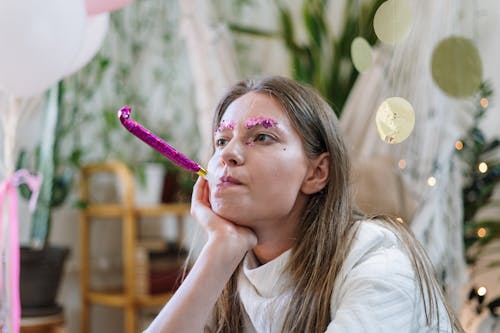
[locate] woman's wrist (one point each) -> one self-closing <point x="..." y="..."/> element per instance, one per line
<point x="189" y="309"/>
<point x="226" y="251"/>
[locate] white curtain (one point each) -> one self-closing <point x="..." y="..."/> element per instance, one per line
<point x="212" y="62"/>
<point x="404" y="70"/>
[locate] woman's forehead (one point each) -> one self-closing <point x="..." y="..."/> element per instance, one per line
<point x="255" y="109"/>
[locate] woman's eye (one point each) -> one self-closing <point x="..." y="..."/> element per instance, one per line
<point x="220" y="142"/>
<point x="265" y="138"/>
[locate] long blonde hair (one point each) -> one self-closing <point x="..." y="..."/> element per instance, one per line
<point x="328" y="224"/>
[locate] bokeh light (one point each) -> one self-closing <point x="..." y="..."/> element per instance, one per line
<point x="402" y="164"/>
<point x="482" y="167"/>
<point x="481" y="232"/>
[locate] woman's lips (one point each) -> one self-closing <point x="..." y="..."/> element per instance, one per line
<point x="228" y="181"/>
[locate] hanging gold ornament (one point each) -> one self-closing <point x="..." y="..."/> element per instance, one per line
<point x="395" y="120"/>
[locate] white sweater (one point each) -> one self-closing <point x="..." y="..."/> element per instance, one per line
<point x="376" y="290"/>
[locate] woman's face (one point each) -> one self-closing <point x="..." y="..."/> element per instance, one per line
<point x="259" y="164"/>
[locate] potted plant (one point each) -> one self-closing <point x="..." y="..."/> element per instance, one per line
<point x="38" y="259"/>
<point x="42" y="263"/>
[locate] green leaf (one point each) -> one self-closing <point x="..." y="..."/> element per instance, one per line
<point x="287" y="30"/>
<point x="76" y="157"/>
<point x="41" y="218"/>
<point x="61" y="187"/>
<point x="495" y="143"/>
<point x="314" y="21"/>
<point x="234" y="27"/>
<point x="80" y="204"/>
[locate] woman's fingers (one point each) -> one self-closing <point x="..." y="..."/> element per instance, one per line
<point x="200" y="206"/>
<point x="199" y="197"/>
<point x="215" y="225"/>
<point x="197" y="192"/>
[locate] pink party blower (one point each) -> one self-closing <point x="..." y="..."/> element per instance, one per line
<point x="158" y="144"/>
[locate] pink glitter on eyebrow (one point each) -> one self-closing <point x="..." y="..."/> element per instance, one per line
<point x="262" y="121"/>
<point x="226" y="125"/>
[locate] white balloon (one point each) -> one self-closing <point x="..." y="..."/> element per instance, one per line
<point x="38" y="41"/>
<point x="96" y="28"/>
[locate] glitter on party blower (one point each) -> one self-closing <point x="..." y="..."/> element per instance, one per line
<point x="158" y="144"/>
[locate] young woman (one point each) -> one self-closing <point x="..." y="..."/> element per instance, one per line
<point x="286" y="251"/>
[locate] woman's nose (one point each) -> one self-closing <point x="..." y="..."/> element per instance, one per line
<point x="232" y="154"/>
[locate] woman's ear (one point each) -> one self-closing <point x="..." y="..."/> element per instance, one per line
<point x="317" y="174"/>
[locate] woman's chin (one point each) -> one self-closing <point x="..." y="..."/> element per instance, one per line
<point x="230" y="212"/>
<point x="227" y="213"/>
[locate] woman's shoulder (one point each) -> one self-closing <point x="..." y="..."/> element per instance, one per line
<point x="373" y="235"/>
<point x="377" y="287"/>
<point x="376" y="250"/>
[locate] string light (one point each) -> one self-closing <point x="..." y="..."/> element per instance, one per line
<point x="481" y="232"/>
<point x="484" y="102"/>
<point x="431" y="181"/>
<point x="402" y="164"/>
<point x="481" y="291"/>
<point x="482" y="167"/>
<point x="459" y="145"/>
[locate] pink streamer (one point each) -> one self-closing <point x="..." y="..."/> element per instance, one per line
<point x="8" y="191"/>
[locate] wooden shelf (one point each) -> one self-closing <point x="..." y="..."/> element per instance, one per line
<point x="116" y="299"/>
<point x="178" y="208"/>
<point x="153" y="300"/>
<point x="116" y="210"/>
<point x="119" y="299"/>
<point x="129" y="214"/>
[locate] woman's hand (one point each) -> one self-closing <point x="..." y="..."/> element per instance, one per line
<point x="190" y="307"/>
<point x="220" y="231"/>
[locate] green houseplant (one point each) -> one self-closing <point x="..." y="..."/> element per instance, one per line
<point x="323" y="59"/>
<point x="140" y="64"/>
<point x="84" y="105"/>
<point x="38" y="259"/>
<point x="57" y="180"/>
<point x="57" y="158"/>
<point x="79" y="122"/>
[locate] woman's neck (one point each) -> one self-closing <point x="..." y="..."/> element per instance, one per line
<point x="277" y="236"/>
<point x="264" y="254"/>
<point x="271" y="243"/>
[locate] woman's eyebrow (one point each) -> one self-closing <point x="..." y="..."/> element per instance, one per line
<point x="225" y="125"/>
<point x="265" y="122"/>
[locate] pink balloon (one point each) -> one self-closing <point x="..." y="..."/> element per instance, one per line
<point x="103" y="6"/>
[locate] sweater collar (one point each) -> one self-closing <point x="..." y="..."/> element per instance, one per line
<point x="265" y="278"/>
